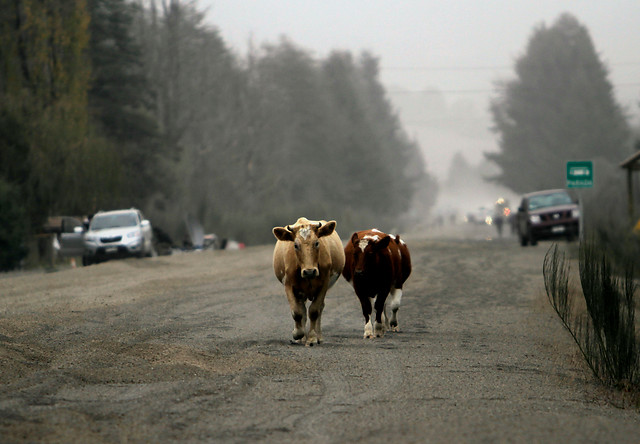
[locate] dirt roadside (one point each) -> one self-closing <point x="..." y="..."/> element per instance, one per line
<point x="195" y="347"/>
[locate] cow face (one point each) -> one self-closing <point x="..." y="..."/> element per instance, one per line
<point x="365" y="251"/>
<point x="306" y="244"/>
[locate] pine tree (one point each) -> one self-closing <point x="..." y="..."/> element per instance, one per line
<point x="560" y="107"/>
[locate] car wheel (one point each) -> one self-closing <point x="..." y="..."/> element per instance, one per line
<point x="86" y="261"/>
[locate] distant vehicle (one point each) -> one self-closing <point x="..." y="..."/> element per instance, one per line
<point x="114" y="234"/>
<point x="69" y="235"/>
<point x="547" y="214"/>
<point x="482" y="216"/>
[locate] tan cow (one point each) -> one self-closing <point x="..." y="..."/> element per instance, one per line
<point x="308" y="259"/>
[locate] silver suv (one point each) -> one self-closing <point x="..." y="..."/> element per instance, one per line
<point x="120" y="233"/>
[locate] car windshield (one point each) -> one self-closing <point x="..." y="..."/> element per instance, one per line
<point x="549" y="200"/>
<point x="105" y="221"/>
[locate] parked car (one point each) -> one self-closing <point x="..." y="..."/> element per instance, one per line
<point x="69" y="235"/>
<point x="547" y="214"/>
<point x="120" y="233"/>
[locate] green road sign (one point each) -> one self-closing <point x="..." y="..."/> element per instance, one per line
<point x="580" y="174"/>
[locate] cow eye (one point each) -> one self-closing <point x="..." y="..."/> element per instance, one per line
<point x="317" y="244"/>
<point x="296" y="246"/>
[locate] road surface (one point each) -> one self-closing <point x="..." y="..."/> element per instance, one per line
<point x="196" y="348"/>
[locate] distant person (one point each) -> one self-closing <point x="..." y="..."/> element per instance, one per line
<point x="500" y="213"/>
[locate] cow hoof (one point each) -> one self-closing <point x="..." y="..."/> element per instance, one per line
<point x="395" y="329"/>
<point x="379" y="330"/>
<point x="297" y="335"/>
<point x="311" y="342"/>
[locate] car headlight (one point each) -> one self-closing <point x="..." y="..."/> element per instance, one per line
<point x="133" y="235"/>
<point x="534" y="219"/>
<point x="575" y="213"/>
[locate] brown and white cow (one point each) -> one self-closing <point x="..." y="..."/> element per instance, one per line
<point x="308" y="259"/>
<point x="377" y="264"/>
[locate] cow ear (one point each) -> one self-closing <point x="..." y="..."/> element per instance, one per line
<point x="382" y="243"/>
<point x="327" y="228"/>
<point x="355" y="239"/>
<point x="398" y="239"/>
<point x="283" y="234"/>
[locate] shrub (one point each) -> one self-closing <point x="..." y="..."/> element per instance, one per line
<point x="605" y="330"/>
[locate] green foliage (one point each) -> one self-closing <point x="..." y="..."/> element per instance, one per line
<point x="51" y="156"/>
<point x="606" y="332"/>
<point x="560" y="107"/>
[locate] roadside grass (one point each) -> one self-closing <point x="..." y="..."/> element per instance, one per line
<point x="599" y="314"/>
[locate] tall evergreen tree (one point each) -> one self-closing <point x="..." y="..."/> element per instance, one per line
<point x="120" y="97"/>
<point x="560" y="107"/>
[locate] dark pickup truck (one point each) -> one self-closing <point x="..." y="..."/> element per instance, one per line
<point x="548" y="214"/>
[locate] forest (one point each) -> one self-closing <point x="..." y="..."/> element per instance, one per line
<point x="108" y="104"/>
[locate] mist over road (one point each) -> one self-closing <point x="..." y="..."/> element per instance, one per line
<point x="196" y="347"/>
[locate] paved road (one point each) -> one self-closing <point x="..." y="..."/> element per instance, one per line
<point x="195" y="348"/>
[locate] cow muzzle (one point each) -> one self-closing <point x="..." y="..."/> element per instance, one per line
<point x="308" y="273"/>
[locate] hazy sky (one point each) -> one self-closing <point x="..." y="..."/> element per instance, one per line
<point x="453" y="45"/>
<point x="459" y="47"/>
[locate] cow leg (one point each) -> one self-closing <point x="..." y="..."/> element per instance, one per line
<point x="394" y="303"/>
<point x="386" y="317"/>
<point x="299" y="314"/>
<point x="366" y="311"/>
<point x="315" y="318"/>
<point x="379" y="306"/>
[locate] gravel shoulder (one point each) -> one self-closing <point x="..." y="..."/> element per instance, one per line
<point x="195" y="347"/>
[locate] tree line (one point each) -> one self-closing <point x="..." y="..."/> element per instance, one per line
<point x="115" y="103"/>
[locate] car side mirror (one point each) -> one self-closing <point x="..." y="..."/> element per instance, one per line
<point x="145" y="223"/>
<point x="79" y="229"/>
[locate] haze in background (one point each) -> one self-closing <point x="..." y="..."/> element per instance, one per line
<point x="439" y="59"/>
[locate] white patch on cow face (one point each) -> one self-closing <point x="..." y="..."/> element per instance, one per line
<point x="304" y="232"/>
<point x="377" y="231"/>
<point x="365" y="241"/>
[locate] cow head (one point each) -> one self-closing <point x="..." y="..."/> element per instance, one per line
<point x="365" y="251"/>
<point x="306" y="244"/>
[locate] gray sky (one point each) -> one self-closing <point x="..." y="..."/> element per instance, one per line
<point x="459" y="47"/>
